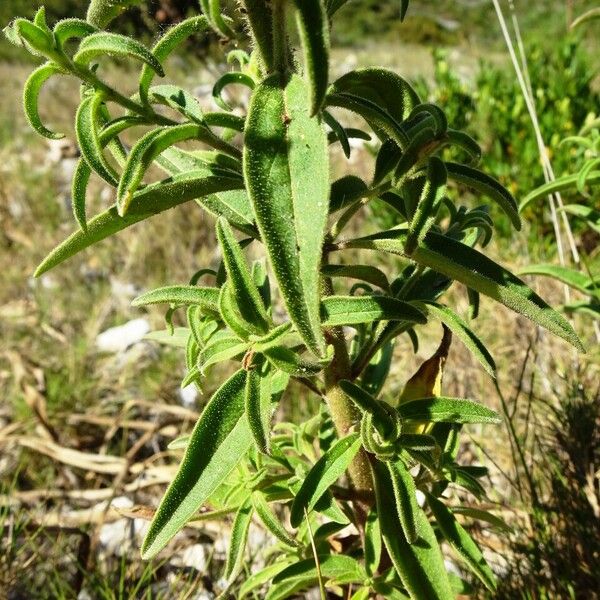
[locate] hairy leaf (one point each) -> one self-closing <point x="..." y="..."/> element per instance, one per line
<point x="440" y="409"/>
<point x="180" y="294"/>
<point x="372" y="543"/>
<point x="67" y="29"/>
<point x="271" y="521"/>
<point x="571" y="277"/>
<point x="228" y="79"/>
<point x="352" y="310"/>
<point x="366" y="273"/>
<point x="258" y="409"/>
<point x="260" y="19"/>
<point x="405" y="493"/>
<point x="239" y="538"/>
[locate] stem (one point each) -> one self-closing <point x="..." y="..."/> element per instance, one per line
<point x="280" y="47"/>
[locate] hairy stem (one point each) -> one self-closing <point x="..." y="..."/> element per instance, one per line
<point x="280" y="47"/>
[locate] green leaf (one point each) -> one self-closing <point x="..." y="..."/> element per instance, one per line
<point x="262" y="577"/>
<point x="150" y="201"/>
<point x="559" y="185"/>
<point x="38" y="40"/>
<point x="178" y="338"/>
<point x="222" y="346"/>
<point x="258" y="409"/>
<point x="325" y="472"/>
<point x="31" y="93"/>
<point x="462" y="542"/>
<point x="101" y="12"/>
<point x="87" y="121"/>
<point x="366" y="273"/>
<point x="338" y="568"/>
<point x="67" y="29"/>
<point x="338" y="131"/>
<point x="114" y="44"/>
<point x="434" y="189"/>
<point x="447" y="410"/>
<point x="461" y="330"/>
<point x="475" y="270"/>
<point x="178" y="99"/>
<point x="313" y="26"/>
<point x="380" y="96"/>
<point x="291" y="362"/>
<point x="375" y="373"/>
<point x="173" y="38"/>
<point x="372" y="543"/>
<point x="260" y="19"/>
<point x="419" y="565"/>
<point x="345" y="191"/>
<point x="232" y="77"/>
<point x="218" y="442"/>
<point x="405" y="493"/>
<point x="483" y="515"/>
<point x="570" y="277"/>
<point x="271" y="521"/>
<point x="487" y="186"/>
<point x="239" y="538"/>
<point x="382" y="420"/>
<point x="206" y="297"/>
<point x="282" y="144"/>
<point x="244" y="291"/>
<point x="352" y="310"/>
<point x="231" y="315"/>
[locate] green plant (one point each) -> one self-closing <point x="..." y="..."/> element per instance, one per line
<point x="358" y="459"/>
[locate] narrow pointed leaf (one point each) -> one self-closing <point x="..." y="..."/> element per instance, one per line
<point x="150" y="201"/>
<point x="339" y="568"/>
<point x="114" y="44"/>
<point x="366" y="273"/>
<point x="101" y="12"/>
<point x="313" y="26"/>
<point x="31" y="93"/>
<point x="352" y="310"/>
<point x="283" y="144"/>
<point x="382" y="420"/>
<point x="419" y="565"/>
<point x="571" y="277"/>
<point x="218" y="442"/>
<point x="271" y="521"/>
<point x="405" y="493"/>
<point x="462" y="542"/>
<point x="372" y="543"/>
<point x="258" y="409"/>
<point x="447" y="410"/>
<point x="262" y="577"/>
<point x="232" y="77"/>
<point x="67" y="29"/>
<point x="180" y="294"/>
<point x="326" y="471"/>
<point x="239" y="538"/>
<point x="231" y="315"/>
<point x="260" y="19"/>
<point x="291" y="362"/>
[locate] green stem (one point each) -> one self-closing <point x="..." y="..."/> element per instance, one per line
<point x="280" y="46"/>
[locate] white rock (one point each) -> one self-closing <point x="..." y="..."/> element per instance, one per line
<point x="188" y="395"/>
<point x="118" y="339"/>
<point x="194" y="556"/>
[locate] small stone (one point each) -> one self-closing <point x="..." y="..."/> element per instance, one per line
<point x="118" y="339"/>
<point x="188" y="395"/>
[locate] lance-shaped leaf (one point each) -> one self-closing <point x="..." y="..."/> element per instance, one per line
<point x="419" y="565"/>
<point x="289" y="361"/>
<point x="239" y="538"/>
<point x="463" y="333"/>
<point x="188" y="295"/>
<point x="282" y="144"/>
<point x="570" y="277"/>
<point x="150" y="201"/>
<point x="487" y="186"/>
<point x="262" y="577"/>
<point x="380" y="96"/>
<point x="218" y="442"/>
<point x="271" y="521"/>
<point x="87" y="120"/>
<point x="313" y="26"/>
<point x="338" y="131"/>
<point x="325" y="472"/>
<point x="260" y="19"/>
<point x="472" y="268"/>
<point x="232" y="77"/>
<point x="38" y="40"/>
<point x="352" y="310"/>
<point x="68" y="29"/>
<point x="441" y="409"/>
<point x="178" y="99"/>
<point x="114" y="44"/>
<point x="101" y="12"/>
<point x="431" y="196"/>
<point x="405" y="493"/>
<point x="245" y="293"/>
<point x="372" y="542"/>
<point x="173" y="38"/>
<point x="222" y="346"/>
<point x="366" y="273"/>
<point x="462" y="542"/>
<point x="382" y="419"/>
<point x="31" y="93"/>
<point x="258" y="409"/>
<point x="231" y="315"/>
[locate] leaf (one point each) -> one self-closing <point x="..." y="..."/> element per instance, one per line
<point x="405" y="493"/>
<point x="271" y="521"/>
<point x="178" y="338"/>
<point x="38" y="40"/>
<point x="372" y="544"/>
<point x="375" y="373"/>
<point x="218" y="442"/>
<point x="262" y="577"/>
<point x="231" y="315"/>
<point x="570" y="277"/>
<point x="31" y="93"/>
<point x="589" y="15"/>
<point x="260" y="19"/>
<point x="483" y="515"/>
<point x="222" y="346"/>
<point x="244" y="291"/>
<point x="258" y="409"/>
<point x="352" y="310"/>
<point x="87" y="120"/>
<point x="338" y="568"/>
<point x="115" y="44"/>
<point x="380" y="96"/>
<point x="101" y="12"/>
<point x="67" y="29"/>
<point x="559" y="185"/>
<point x="382" y="420"/>
<point x="290" y="362"/>
<point x="178" y="99"/>
<point x="282" y="144"/>
<point x="272" y="339"/>
<point x="431" y="196"/>
<point x="206" y="297"/>
<point x="345" y="191"/>
<point x="180" y="443"/>
<point x="173" y="38"/>
<point x="338" y="131"/>
<point x="239" y="538"/>
<point x="487" y="186"/>
<point x="475" y="270"/>
<point x="462" y="542"/>
<point x="447" y="410"/>
<point x="449" y="318"/>
<point x="324" y="473"/>
<point x="232" y="77"/>
<point x="313" y="25"/>
<point x="366" y="273"/>
<point x="419" y="565"/>
<point x="150" y="201"/>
